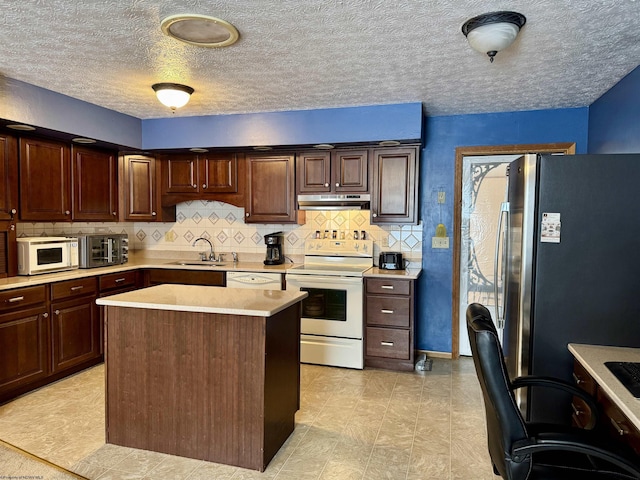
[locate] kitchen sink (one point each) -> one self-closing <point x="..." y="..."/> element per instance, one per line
<point x="196" y="263"/>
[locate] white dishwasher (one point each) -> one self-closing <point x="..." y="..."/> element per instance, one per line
<point x="261" y="281"/>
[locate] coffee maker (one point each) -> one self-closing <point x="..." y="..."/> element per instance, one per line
<point x="274" y="248"/>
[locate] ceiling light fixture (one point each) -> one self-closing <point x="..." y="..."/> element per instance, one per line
<point x="200" y="30"/>
<point x="324" y="146"/>
<point x="173" y="95"/>
<point x="492" y="32"/>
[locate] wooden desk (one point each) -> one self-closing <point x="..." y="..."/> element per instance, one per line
<point x="621" y="409"/>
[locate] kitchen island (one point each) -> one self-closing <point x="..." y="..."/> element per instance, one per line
<point x="203" y="372"/>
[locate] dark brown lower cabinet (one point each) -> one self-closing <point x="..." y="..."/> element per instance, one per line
<point x="23" y="348"/>
<point x="185" y="277"/>
<point x="389" y="319"/>
<point x="75" y="334"/>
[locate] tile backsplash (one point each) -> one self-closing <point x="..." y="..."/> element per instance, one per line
<point x="223" y="224"/>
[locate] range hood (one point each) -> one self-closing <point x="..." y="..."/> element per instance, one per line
<point x="346" y="201"/>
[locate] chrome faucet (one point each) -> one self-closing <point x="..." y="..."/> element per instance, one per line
<point x="203" y="255"/>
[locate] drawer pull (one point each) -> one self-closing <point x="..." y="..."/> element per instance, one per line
<point x="619" y="429"/>
<point x="15" y="299"/>
<point x="387" y="287"/>
<point x="577" y="379"/>
<point x="576" y="411"/>
<point x="387" y="344"/>
<point x="77" y="287"/>
<point x="118" y="280"/>
<point x="386" y="311"/>
<point x="57" y="312"/>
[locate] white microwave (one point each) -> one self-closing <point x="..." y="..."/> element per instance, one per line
<point x="46" y="254"/>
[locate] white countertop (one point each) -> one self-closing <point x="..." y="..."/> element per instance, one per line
<point x="197" y="298"/>
<point x="592" y="358"/>
<point x="408" y="274"/>
<point x="138" y="261"/>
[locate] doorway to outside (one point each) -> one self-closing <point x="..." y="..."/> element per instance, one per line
<point x="480" y="188"/>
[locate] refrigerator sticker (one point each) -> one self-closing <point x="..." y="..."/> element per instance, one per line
<point x="550" y="231"/>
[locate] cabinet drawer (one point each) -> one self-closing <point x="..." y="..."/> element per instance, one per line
<point x="583" y="379"/>
<point x="18" y="298"/>
<point x="391" y="311"/>
<point x="388" y="342"/>
<point x="386" y="286"/>
<point x="117" y="280"/>
<point x="73" y="288"/>
<point x="617" y="423"/>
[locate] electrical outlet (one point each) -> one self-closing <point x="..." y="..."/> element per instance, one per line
<point x="441" y="197"/>
<point x="385" y="241"/>
<point x="439" y="242"/>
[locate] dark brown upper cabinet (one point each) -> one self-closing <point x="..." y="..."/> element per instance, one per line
<point x="45" y="180"/>
<point x="139" y="192"/>
<point x="394" y="195"/>
<point x="8" y="177"/>
<point x="332" y="172"/>
<point x="271" y="189"/>
<point x="95" y="187"/>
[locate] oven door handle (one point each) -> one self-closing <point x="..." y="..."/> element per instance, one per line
<point x="308" y="280"/>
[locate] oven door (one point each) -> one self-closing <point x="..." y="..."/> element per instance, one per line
<point x="333" y="307"/>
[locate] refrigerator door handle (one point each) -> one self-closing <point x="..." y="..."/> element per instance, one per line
<point x="497" y="275"/>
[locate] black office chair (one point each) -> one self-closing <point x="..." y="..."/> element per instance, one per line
<point x="522" y="451"/>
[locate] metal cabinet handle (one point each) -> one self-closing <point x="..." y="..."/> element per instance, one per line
<point x="326" y="184"/>
<point x="204" y="185"/>
<point x="576" y="411"/>
<point x="194" y="185"/>
<point x="577" y="379"/>
<point x="77" y="287"/>
<point x="15" y="299"/>
<point x="619" y="429"/>
<point x="114" y="213"/>
<point x="387" y="344"/>
<point x="13" y="211"/>
<point x="246" y="214"/>
<point x="45" y="315"/>
<point x="118" y="280"/>
<point x="386" y="311"/>
<point x="67" y="212"/>
<point x="374" y="215"/>
<point x="153" y="214"/>
<point x="337" y="184"/>
<point x="57" y="312"/>
<point x="387" y="287"/>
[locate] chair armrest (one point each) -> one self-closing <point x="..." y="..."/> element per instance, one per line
<point x="550" y="382"/>
<point x="580" y="441"/>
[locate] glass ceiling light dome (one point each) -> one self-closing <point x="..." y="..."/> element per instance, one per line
<point x="200" y="30"/>
<point x="173" y="95"/>
<point x="492" y="32"/>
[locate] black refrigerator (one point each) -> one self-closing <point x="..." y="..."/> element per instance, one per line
<point x="570" y="263"/>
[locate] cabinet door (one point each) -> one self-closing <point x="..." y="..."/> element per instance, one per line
<point x="181" y="174"/>
<point x="271" y="196"/>
<point x="218" y="173"/>
<point x="8" y="177"/>
<point x="313" y="170"/>
<point x="8" y="249"/>
<point x="95" y="189"/>
<point x="394" y="193"/>
<point x="45" y="180"/>
<point x="75" y="335"/>
<point x="350" y="171"/>
<point x="23" y="348"/>
<point x="139" y="188"/>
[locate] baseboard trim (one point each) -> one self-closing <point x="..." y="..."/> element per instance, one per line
<point x="432" y="354"/>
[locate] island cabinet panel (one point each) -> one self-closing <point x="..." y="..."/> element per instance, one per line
<point x="222" y="388"/>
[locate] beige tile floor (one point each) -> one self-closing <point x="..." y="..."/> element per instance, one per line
<point x="369" y="424"/>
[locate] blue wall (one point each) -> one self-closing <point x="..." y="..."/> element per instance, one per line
<point x="614" y="119"/>
<point x="442" y="136"/>
<point x="332" y="125"/>
<point x="24" y="103"/>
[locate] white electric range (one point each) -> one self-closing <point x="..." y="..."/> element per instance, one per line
<point x="332" y="323"/>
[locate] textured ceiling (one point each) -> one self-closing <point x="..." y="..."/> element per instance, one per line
<point x="306" y="54"/>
